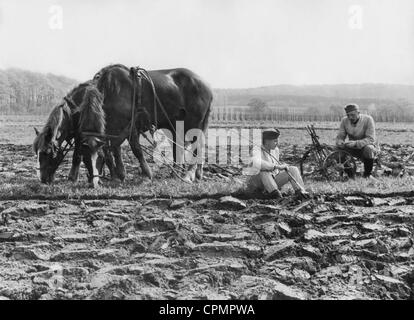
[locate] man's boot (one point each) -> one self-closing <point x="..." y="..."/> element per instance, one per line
<point x="368" y="165"/>
<point x="303" y="195"/>
<point x="276" y="194"/>
<point x="350" y="173"/>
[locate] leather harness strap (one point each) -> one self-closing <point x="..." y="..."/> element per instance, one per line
<point x="133" y="74"/>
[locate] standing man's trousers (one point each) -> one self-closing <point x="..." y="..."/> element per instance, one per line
<point x="367" y="152"/>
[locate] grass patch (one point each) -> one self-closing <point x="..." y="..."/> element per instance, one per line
<point x="131" y="189"/>
<point x="384" y="185"/>
<point x="137" y="187"/>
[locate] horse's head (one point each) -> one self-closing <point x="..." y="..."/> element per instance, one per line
<point x="46" y="145"/>
<point x="47" y="150"/>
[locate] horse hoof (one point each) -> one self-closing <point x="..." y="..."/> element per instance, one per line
<point x="146" y="179"/>
<point x="190" y="176"/>
<point x="117" y="180"/>
<point x="95" y="183"/>
<point x="187" y="179"/>
<point x="148" y="175"/>
<point x="73" y="179"/>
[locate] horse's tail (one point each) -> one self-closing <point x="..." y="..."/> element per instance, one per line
<point x="199" y="95"/>
<point x="92" y="115"/>
<point x="204" y="124"/>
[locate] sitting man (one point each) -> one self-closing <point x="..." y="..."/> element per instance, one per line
<point x="360" y="129"/>
<point x="266" y="167"/>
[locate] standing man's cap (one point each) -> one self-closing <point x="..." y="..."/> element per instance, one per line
<point x="351" y="107"/>
<point x="270" y="134"/>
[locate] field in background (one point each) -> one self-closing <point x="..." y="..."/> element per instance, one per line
<point x="19" y="130"/>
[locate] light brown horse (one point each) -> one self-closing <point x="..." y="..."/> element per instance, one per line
<point x="79" y="111"/>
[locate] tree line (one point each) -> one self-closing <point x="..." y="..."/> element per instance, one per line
<point x="380" y="110"/>
<point x="25" y="92"/>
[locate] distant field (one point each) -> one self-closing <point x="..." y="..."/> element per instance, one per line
<point x="19" y="130"/>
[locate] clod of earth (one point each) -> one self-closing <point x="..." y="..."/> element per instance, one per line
<point x="232" y="203"/>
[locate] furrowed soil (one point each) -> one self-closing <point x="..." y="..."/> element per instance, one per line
<point x="332" y="246"/>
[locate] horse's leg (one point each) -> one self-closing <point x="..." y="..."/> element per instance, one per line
<point x="200" y="162"/>
<point x="178" y="153"/>
<point x="76" y="161"/>
<point x="174" y="150"/>
<point x="90" y="163"/>
<point x="119" y="169"/>
<point x="190" y="173"/>
<point x="199" y="171"/>
<point x="109" y="161"/>
<point x="195" y="170"/>
<point x="136" y="149"/>
<point x="100" y="162"/>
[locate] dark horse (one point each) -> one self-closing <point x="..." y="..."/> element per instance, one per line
<point x="177" y="95"/>
<point x="81" y="111"/>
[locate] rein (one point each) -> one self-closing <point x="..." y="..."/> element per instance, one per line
<point x="62" y="152"/>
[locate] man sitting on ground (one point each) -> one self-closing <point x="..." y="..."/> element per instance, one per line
<point x="266" y="163"/>
<point x="360" y="129"/>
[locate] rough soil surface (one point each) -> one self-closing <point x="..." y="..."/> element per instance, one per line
<point x="207" y="249"/>
<point x="329" y="247"/>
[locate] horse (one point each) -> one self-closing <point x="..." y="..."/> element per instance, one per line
<point x="64" y="124"/>
<point x="135" y="102"/>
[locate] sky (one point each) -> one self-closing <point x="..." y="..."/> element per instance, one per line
<point x="229" y="43"/>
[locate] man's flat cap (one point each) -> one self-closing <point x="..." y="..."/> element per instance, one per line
<point x="270" y="134"/>
<point x="351" y="107"/>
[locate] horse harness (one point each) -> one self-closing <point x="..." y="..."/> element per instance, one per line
<point x="62" y="151"/>
<point x="137" y="74"/>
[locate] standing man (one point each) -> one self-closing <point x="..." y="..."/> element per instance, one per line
<point x="360" y="129"/>
<point x="266" y="165"/>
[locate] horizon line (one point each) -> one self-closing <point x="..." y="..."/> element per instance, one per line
<point x="244" y="88"/>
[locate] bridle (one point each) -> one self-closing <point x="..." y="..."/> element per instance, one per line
<point x="62" y="152"/>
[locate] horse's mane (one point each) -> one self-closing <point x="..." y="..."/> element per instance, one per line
<point x="50" y="129"/>
<point x="80" y="86"/>
<point x="79" y="89"/>
<point x="106" y="79"/>
<point x="92" y="115"/>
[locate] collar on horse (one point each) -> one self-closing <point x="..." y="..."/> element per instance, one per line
<point x="137" y="74"/>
